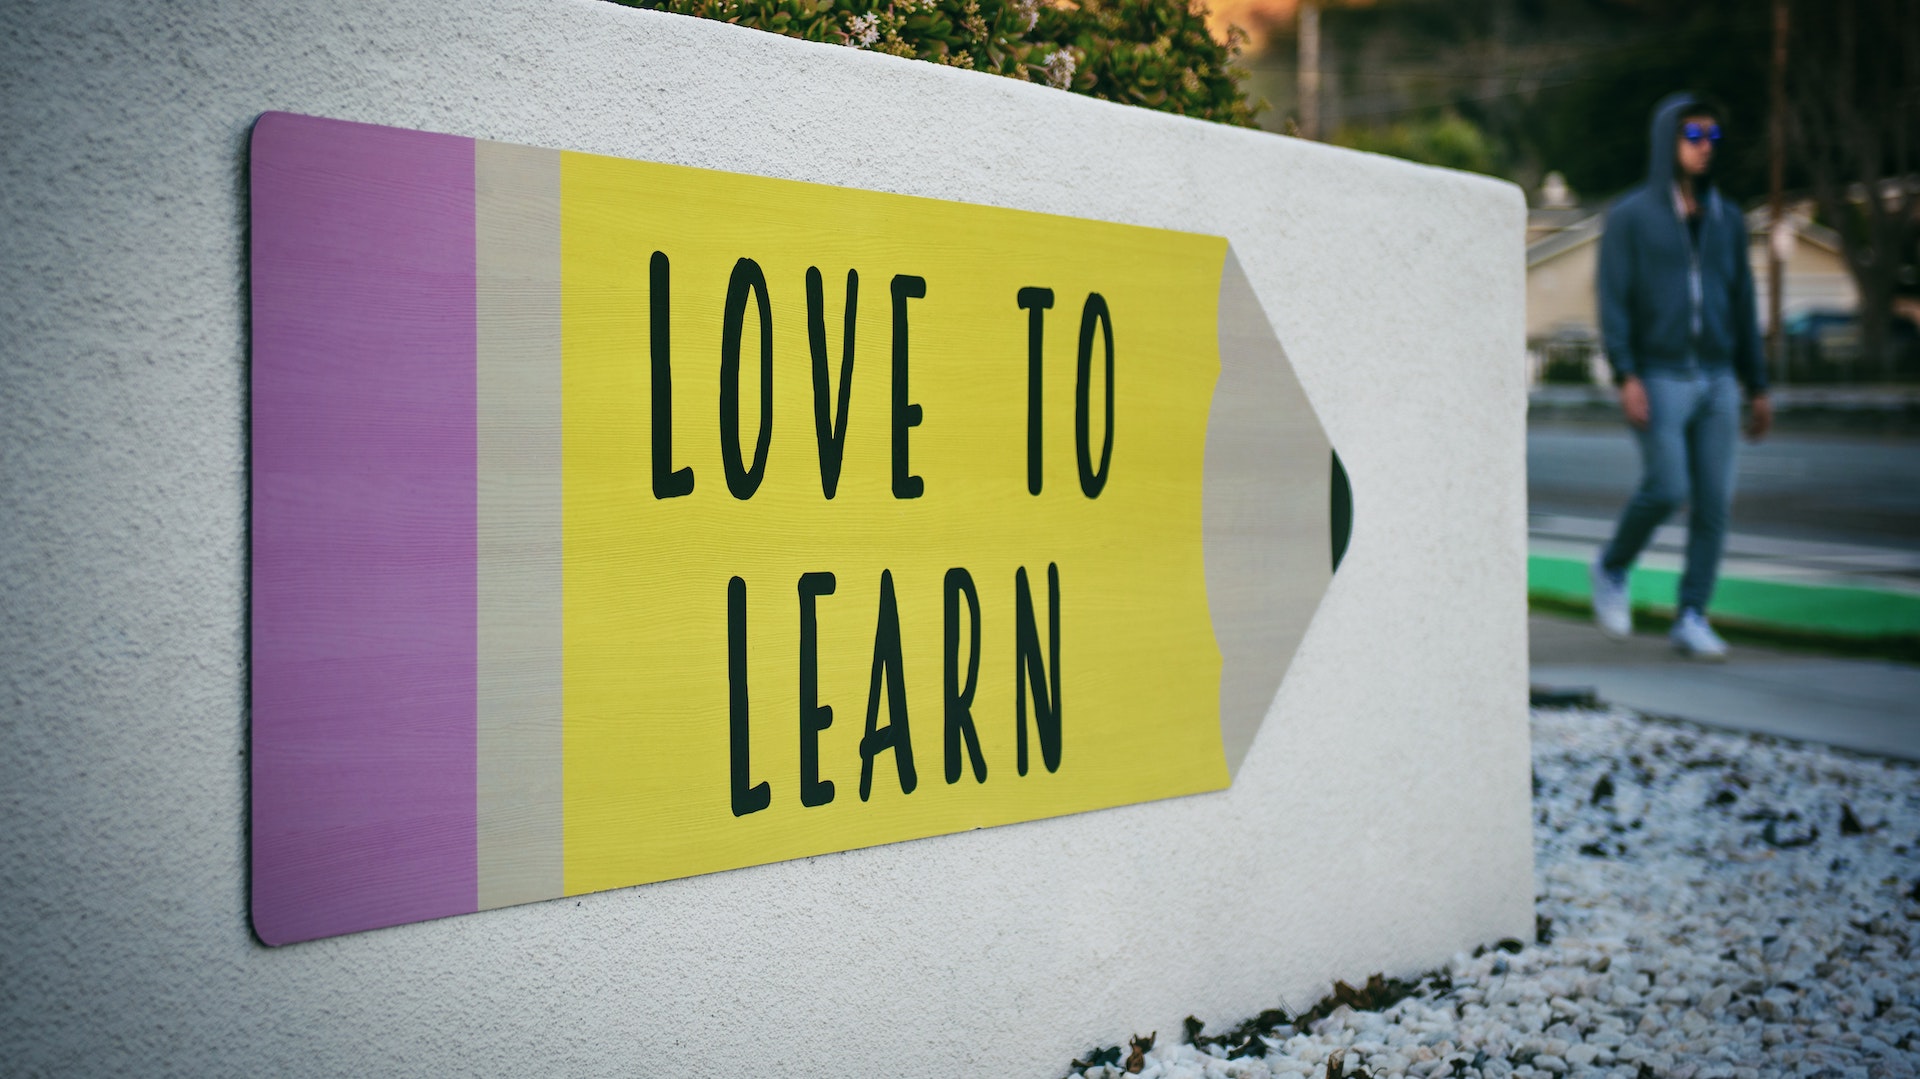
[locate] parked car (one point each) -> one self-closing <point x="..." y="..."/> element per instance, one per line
<point x="1570" y="355"/>
<point x="1827" y="346"/>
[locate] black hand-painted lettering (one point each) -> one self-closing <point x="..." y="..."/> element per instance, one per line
<point x="747" y="278"/>
<point x="1092" y="480"/>
<point x="668" y="481"/>
<point x="748" y="797"/>
<point x="887" y="669"/>
<point x="1035" y="301"/>
<point x="958" y="695"/>
<point x="905" y="414"/>
<point x="829" y="427"/>
<point x="1027" y="663"/>
<point x="814" y="716"/>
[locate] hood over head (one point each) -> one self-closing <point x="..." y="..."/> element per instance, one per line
<point x="1662" y="131"/>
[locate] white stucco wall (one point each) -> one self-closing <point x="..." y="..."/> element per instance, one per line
<point x="1380" y="821"/>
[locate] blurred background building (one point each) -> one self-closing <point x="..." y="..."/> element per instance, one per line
<point x="1818" y="298"/>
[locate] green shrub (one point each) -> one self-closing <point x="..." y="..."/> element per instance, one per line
<point x="1448" y="140"/>
<point x="1153" y="53"/>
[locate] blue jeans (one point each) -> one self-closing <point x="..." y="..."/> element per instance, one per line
<point x="1687" y="454"/>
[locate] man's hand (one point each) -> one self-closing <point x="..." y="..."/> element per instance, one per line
<point x="1633" y="402"/>
<point x="1759" y="417"/>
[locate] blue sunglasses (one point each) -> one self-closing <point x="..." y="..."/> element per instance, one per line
<point x="1695" y="132"/>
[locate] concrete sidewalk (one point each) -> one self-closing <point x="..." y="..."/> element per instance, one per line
<point x="1851" y="409"/>
<point x="1872" y="706"/>
<point x="1838" y="591"/>
<point x="1836" y="595"/>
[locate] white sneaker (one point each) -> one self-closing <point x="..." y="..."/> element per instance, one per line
<point x="1693" y="638"/>
<point x="1612" y="609"/>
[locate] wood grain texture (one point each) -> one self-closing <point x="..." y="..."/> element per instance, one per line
<point x="492" y="664"/>
<point x="363" y="527"/>
<point x="667" y="734"/>
<point x="517" y="258"/>
<point x="1265" y="519"/>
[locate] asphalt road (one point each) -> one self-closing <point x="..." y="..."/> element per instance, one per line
<point x="1808" y="487"/>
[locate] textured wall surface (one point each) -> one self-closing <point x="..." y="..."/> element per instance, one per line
<point x="1380" y="820"/>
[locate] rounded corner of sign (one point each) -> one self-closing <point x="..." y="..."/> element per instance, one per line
<point x="267" y="927"/>
<point x="269" y="124"/>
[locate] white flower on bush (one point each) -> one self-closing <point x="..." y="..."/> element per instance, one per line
<point x="1028" y="10"/>
<point x="1059" y="69"/>
<point x="863" y="30"/>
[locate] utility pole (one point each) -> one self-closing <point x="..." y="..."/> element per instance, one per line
<point x="1309" y="15"/>
<point x="1778" y="238"/>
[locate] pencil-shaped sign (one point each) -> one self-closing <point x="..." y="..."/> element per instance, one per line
<point x="616" y="521"/>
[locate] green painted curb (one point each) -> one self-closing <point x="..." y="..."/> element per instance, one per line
<point x="1841" y="612"/>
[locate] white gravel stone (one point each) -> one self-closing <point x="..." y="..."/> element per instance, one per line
<point x="1711" y="919"/>
<point x="1582" y="1055"/>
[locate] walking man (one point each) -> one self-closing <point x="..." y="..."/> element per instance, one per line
<point x="1678" y="322"/>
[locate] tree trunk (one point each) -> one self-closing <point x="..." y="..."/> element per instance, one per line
<point x="1854" y="85"/>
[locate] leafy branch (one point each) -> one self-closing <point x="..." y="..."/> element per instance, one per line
<point x="1156" y="54"/>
